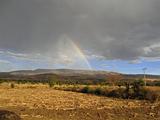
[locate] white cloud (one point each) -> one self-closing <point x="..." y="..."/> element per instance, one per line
<point x="5" y="65"/>
<point x="5" y="62"/>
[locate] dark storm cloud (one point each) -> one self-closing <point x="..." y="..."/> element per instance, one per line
<point x="115" y="29"/>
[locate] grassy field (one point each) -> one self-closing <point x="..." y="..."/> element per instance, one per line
<point x="39" y="102"/>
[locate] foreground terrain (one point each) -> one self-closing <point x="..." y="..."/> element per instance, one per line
<point x="39" y="102"/>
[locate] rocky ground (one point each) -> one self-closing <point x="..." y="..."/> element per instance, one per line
<point x="43" y="103"/>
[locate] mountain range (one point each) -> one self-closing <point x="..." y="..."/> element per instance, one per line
<point x="69" y="74"/>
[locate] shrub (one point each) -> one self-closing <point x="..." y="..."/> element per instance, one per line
<point x="157" y="83"/>
<point x="12" y="85"/>
<point x="141" y="94"/>
<point x="137" y="87"/>
<point x="85" y="90"/>
<point x="152" y="96"/>
<point x="119" y="93"/>
<point x="51" y="83"/>
<point x="132" y="91"/>
<point x="98" y="91"/>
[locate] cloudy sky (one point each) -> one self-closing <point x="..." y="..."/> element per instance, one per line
<point x="114" y="35"/>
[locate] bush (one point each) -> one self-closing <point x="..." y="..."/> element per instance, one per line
<point x="85" y="90"/>
<point x="98" y="91"/>
<point x="139" y="91"/>
<point x="157" y="83"/>
<point x="12" y="85"/>
<point x="51" y="83"/>
<point x="119" y="93"/>
<point x="152" y="96"/>
<point x="132" y="91"/>
<point x="141" y="94"/>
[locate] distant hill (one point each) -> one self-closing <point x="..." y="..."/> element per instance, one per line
<point x="69" y="75"/>
<point x="139" y="76"/>
<point x="65" y="72"/>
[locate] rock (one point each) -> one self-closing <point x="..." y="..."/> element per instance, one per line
<point x="8" y="115"/>
<point x="135" y="115"/>
<point x="152" y="114"/>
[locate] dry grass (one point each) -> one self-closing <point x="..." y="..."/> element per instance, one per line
<point x="154" y="88"/>
<point x="39" y="102"/>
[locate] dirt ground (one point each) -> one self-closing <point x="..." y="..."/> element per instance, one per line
<point x="43" y="103"/>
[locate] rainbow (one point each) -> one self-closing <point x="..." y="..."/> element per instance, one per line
<point x="81" y="54"/>
<point x="70" y="49"/>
